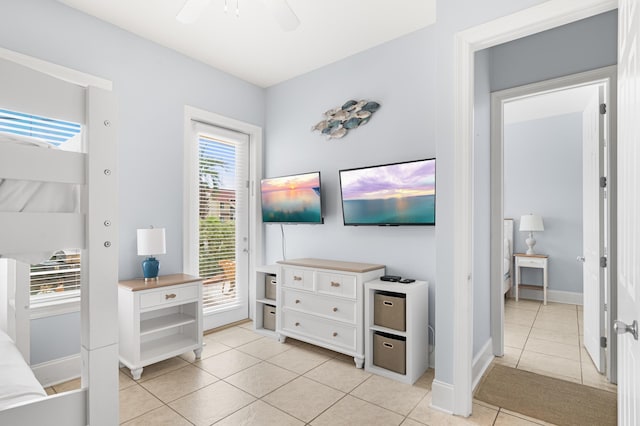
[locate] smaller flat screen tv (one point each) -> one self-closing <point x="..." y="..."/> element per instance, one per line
<point x="292" y="199"/>
<point x="390" y="194"/>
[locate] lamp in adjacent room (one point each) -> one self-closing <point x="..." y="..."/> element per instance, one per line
<point x="531" y="223"/>
<point x="151" y="242"/>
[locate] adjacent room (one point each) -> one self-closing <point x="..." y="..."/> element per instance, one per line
<point x="274" y="212"/>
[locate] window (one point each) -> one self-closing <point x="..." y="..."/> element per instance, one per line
<point x="59" y="276"/>
<point x="217" y="195"/>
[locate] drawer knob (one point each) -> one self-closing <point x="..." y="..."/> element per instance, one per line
<point x="169" y="296"/>
<point x="297" y="278"/>
<point x="297" y="324"/>
<point x="335" y="309"/>
<point x="335" y="333"/>
<point x="335" y="284"/>
<point x="297" y="301"/>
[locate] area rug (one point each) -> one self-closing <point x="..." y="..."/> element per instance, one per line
<point x="547" y="398"/>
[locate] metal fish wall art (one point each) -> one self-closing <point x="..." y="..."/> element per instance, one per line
<point x="339" y="120"/>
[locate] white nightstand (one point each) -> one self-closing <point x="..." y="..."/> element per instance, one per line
<point x="159" y="320"/>
<point x="539" y="261"/>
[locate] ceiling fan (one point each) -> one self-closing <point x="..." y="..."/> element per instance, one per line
<point x="280" y="9"/>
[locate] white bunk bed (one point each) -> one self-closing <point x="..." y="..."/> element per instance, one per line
<point x="32" y="231"/>
<point x="507" y="256"/>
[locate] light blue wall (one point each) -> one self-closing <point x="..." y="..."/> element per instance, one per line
<point x="152" y="85"/>
<point x="402" y="80"/>
<point x="543" y="175"/>
<point x="55" y="337"/>
<point x="581" y="46"/>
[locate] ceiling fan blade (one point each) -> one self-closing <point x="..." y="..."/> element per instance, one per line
<point x="191" y="11"/>
<point x="284" y="15"/>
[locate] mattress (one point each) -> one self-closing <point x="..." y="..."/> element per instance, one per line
<point x="506" y="258"/>
<point x="17" y="382"/>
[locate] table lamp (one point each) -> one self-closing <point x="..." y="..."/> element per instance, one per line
<point x="531" y="223"/>
<point x="151" y="242"/>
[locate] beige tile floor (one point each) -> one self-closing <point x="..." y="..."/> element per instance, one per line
<point x="548" y="339"/>
<point x="246" y="379"/>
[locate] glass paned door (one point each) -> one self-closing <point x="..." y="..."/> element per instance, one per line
<point x="223" y="224"/>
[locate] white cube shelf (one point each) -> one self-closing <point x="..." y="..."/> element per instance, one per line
<point x="416" y="333"/>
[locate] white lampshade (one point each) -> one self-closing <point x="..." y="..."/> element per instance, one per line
<point x="531" y="222"/>
<point x="151" y="241"/>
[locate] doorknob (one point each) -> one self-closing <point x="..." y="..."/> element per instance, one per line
<point x="580" y="259"/>
<point x="621" y="328"/>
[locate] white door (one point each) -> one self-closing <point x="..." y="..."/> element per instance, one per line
<point x="593" y="232"/>
<point x="628" y="211"/>
<point x="223" y="224"/>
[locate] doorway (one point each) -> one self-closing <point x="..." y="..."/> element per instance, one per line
<point x="220" y="212"/>
<point x="560" y="128"/>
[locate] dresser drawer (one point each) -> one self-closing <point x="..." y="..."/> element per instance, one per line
<point x="531" y="262"/>
<point x="336" y="284"/>
<point x="316" y="328"/>
<point x="298" y="278"/>
<point x="168" y="295"/>
<point x="329" y="307"/>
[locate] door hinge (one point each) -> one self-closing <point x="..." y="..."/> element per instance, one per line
<point x="603" y="108"/>
<point x="603" y="262"/>
<point x="606" y="308"/>
<point x="603" y="342"/>
<point x="603" y="182"/>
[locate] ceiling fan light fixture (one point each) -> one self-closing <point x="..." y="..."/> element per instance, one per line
<point x="192" y="10"/>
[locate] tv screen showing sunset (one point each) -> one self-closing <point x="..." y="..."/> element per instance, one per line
<point x="292" y="199"/>
<point x="394" y="194"/>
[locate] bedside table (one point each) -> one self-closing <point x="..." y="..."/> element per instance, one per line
<point x="159" y="319"/>
<point x="539" y="261"/>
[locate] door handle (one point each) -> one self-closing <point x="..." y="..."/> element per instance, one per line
<point x="621" y="328"/>
<point x="580" y="259"/>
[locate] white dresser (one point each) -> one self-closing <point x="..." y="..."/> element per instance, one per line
<point x="159" y="320"/>
<point x="321" y="302"/>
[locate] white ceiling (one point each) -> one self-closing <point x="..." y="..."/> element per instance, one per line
<point x="253" y="46"/>
<point x="549" y="104"/>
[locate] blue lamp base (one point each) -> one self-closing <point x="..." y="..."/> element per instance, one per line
<point x="150" y="267"/>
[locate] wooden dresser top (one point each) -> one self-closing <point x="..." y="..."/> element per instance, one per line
<point x="336" y="265"/>
<point x="162" y="281"/>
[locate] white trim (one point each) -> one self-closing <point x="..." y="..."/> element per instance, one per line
<point x="442" y="396"/>
<point x="529" y="21"/>
<point x="58" y="370"/>
<point x="53" y="308"/>
<point x="190" y="199"/>
<point x="58" y="71"/>
<point x="554" y="296"/>
<point x="481" y="362"/>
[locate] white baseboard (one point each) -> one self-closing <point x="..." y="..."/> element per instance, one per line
<point x="556" y="296"/>
<point x="58" y="370"/>
<point x="481" y="362"/>
<point x="442" y="396"/>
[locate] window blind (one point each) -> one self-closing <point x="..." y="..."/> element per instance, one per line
<point x="218" y="161"/>
<point x="59" y="276"/>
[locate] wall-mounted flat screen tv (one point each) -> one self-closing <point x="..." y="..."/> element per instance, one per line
<point x="390" y="194"/>
<point x="292" y="199"/>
